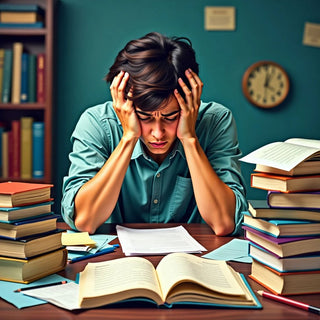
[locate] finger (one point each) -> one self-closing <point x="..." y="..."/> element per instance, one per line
<point x="196" y="85"/>
<point x="188" y="94"/>
<point x="122" y="85"/>
<point x="115" y="84"/>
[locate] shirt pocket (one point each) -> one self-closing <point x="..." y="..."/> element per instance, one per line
<point x="180" y="200"/>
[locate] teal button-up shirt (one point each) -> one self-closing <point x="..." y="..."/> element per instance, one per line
<point x="150" y="192"/>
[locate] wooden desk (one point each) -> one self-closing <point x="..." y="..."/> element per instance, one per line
<point x="202" y="233"/>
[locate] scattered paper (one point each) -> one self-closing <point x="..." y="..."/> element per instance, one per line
<point x="161" y="241"/>
<point x="235" y="250"/>
<point x="64" y="295"/>
<point x="76" y="238"/>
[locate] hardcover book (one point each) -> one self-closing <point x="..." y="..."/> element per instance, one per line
<point x="25" y="212"/>
<point x="283" y="247"/>
<point x="16" y="72"/>
<point x="180" y="278"/>
<point x="281" y="227"/>
<point x="19" y="229"/>
<point x="41" y="78"/>
<point x="302" y="200"/>
<point x="14" y="194"/>
<point x="273" y="182"/>
<point x="38" y="149"/>
<point x="7" y="76"/>
<point x="31" y="246"/>
<point x="305" y="262"/>
<point x="285" y="283"/>
<point x="28" y="270"/>
<point x="26" y="147"/>
<point x="261" y="209"/>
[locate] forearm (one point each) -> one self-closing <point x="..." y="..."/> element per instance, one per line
<point x="97" y="198"/>
<point x="216" y="201"/>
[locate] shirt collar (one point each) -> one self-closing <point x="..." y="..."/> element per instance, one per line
<point x="139" y="150"/>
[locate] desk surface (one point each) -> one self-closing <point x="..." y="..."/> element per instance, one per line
<point x="203" y="234"/>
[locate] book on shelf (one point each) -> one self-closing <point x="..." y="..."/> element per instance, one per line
<point x="25" y="212"/>
<point x="285" y="283"/>
<point x="20" y="7"/>
<point x="41" y="78"/>
<point x="29" y="270"/>
<point x="282" y="227"/>
<point x="180" y="278"/>
<point x="283" y="247"/>
<point x="7" y="76"/>
<point x="280" y="183"/>
<point x="285" y="155"/>
<point x="22" y="16"/>
<point x="1" y="68"/>
<point x="26" y="148"/>
<point x="28" y="247"/>
<point x="2" y="129"/>
<point x="22" y="25"/>
<point x="261" y="209"/>
<point x="303" y="168"/>
<point x="303" y="200"/>
<point x="32" y="78"/>
<point x="32" y="226"/>
<point x="13" y="194"/>
<point x="5" y="154"/>
<point x="15" y="145"/>
<point x="24" y="77"/>
<point x="38" y="149"/>
<point x="16" y="72"/>
<point x="288" y="264"/>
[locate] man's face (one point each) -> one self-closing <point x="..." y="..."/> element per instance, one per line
<point x="159" y="129"/>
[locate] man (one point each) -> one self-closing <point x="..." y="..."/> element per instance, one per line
<point x="156" y="152"/>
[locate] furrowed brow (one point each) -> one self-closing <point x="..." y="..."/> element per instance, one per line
<point x="171" y="113"/>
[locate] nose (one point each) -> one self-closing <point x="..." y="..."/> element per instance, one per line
<point x="157" y="130"/>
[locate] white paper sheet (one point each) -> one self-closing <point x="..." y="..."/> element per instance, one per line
<point x="161" y="241"/>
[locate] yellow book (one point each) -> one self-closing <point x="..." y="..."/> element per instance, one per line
<point x="20" y="17"/>
<point x="178" y="278"/>
<point x="16" y="72"/>
<point x="28" y="270"/>
<point x="26" y="148"/>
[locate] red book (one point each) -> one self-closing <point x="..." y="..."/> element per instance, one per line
<point x="13" y="194"/>
<point x="41" y="78"/>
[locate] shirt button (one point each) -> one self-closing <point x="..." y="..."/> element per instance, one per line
<point x="155" y="201"/>
<point x="158" y="175"/>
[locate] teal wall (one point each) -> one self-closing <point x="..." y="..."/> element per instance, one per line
<point x="89" y="34"/>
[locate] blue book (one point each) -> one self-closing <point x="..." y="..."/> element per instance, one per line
<point x="24" y="77"/>
<point x="22" y="25"/>
<point x="21" y="7"/>
<point x="28" y="227"/>
<point x="32" y="78"/>
<point x="7" y="76"/>
<point x="38" y="149"/>
<point x="281" y="227"/>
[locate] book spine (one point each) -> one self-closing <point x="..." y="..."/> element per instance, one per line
<point x="22" y="25"/>
<point x="24" y="77"/>
<point x="15" y="127"/>
<point x="1" y="69"/>
<point x="32" y="78"/>
<point x="5" y="155"/>
<point x="41" y="78"/>
<point x="26" y="147"/>
<point x="16" y="72"/>
<point x="38" y="149"/>
<point x="7" y="76"/>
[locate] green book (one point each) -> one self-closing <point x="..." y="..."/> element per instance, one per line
<point x="32" y="78"/>
<point x="7" y="76"/>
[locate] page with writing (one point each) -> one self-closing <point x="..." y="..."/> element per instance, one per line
<point x="120" y="279"/>
<point x="281" y="155"/>
<point x="211" y="274"/>
<point x="159" y="241"/>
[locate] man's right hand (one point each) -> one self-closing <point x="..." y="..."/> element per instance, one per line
<point x="124" y="107"/>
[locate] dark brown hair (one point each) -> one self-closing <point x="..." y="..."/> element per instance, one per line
<point x="154" y="63"/>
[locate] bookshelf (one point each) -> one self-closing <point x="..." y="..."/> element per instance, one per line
<point x="34" y="41"/>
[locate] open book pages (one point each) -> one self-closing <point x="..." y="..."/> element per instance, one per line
<point x="159" y="241"/>
<point x="285" y="155"/>
<point x="179" y="277"/>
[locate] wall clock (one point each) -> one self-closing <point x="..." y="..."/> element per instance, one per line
<point x="265" y="84"/>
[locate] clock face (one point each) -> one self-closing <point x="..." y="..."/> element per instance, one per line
<point x="265" y="84"/>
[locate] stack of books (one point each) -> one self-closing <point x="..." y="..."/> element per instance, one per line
<point x="284" y="229"/>
<point x="30" y="243"/>
<point x="21" y="16"/>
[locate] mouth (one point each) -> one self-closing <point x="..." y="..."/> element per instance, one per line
<point x="157" y="145"/>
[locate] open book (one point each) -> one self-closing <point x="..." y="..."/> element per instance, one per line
<point x="180" y="278"/>
<point x="285" y="155"/>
